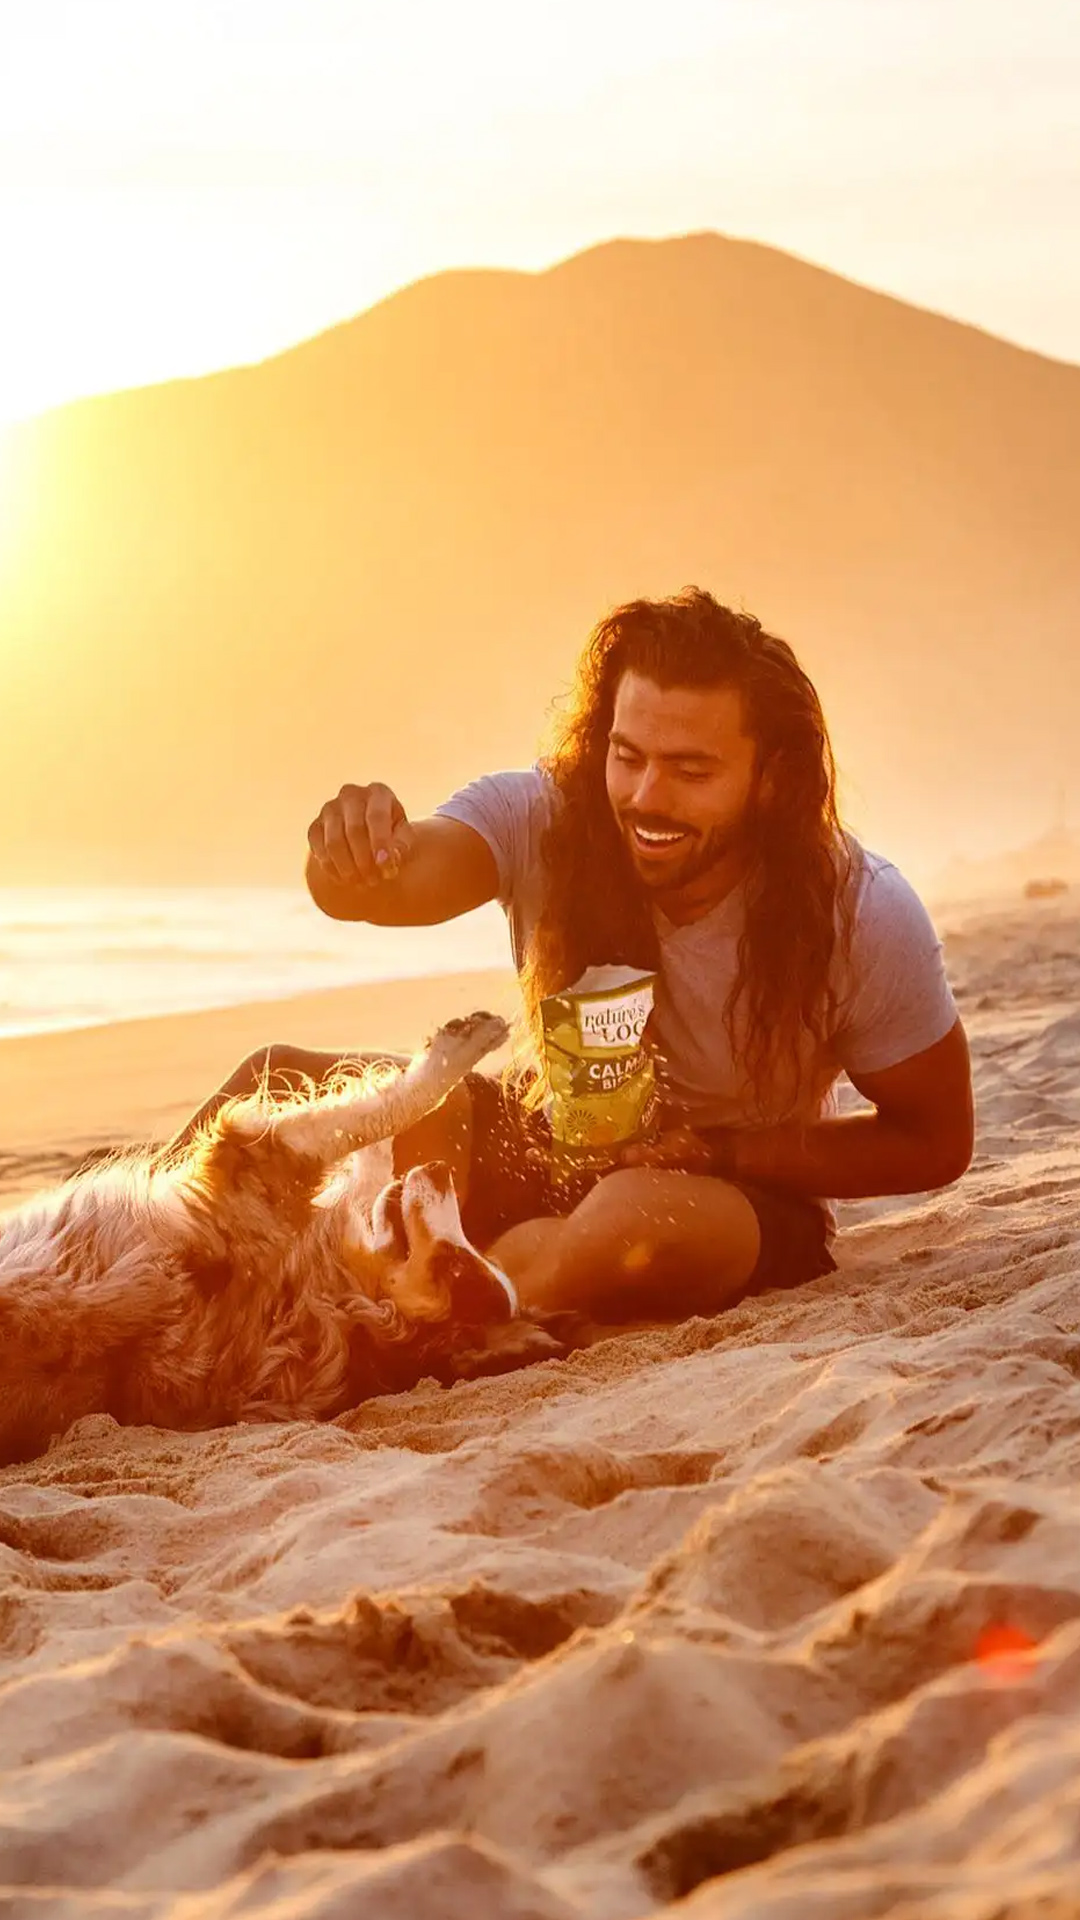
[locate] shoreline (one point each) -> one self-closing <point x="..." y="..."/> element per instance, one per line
<point x="66" y="1092"/>
<point x="271" y="998"/>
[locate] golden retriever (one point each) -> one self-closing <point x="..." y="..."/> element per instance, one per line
<point x="275" y="1270"/>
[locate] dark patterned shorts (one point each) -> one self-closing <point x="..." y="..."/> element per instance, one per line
<point x="509" y="1182"/>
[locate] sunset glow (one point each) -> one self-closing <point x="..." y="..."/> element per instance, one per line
<point x="12" y="493"/>
<point x="186" y="187"/>
<point x="566" y="508"/>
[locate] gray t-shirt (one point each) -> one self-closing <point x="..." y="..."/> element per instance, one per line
<point x="894" y="998"/>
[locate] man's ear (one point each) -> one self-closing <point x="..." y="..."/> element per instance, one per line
<point x="765" y="786"/>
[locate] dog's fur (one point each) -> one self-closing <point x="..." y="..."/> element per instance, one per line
<point x="273" y="1271"/>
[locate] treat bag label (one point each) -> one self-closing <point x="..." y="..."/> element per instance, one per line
<point x="612" y="1026"/>
<point x="600" y="1074"/>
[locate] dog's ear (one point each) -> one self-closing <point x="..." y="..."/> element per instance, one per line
<point x="480" y="1295"/>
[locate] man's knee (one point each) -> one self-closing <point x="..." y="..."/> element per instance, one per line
<point x="638" y="1230"/>
<point x="276" y="1064"/>
<point x="259" y="1065"/>
<point x="611" y="1232"/>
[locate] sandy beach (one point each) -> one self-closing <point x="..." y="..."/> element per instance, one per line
<point x="769" y="1617"/>
<point x="63" y="1095"/>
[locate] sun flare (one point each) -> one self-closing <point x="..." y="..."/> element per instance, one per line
<point x="10" y="494"/>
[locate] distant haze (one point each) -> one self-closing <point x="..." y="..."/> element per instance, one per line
<point x="188" y="185"/>
<point x="377" y="556"/>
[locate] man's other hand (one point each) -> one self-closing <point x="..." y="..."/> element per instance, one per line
<point x="678" y="1148"/>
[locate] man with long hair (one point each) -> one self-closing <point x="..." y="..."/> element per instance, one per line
<point x="684" y="821"/>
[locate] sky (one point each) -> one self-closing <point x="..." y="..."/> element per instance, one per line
<point x="189" y="184"/>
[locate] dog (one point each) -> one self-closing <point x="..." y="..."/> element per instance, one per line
<point x="275" y="1270"/>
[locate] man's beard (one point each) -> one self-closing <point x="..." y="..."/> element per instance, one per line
<point x="693" y="855"/>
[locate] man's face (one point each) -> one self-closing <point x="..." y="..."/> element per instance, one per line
<point x="681" y="774"/>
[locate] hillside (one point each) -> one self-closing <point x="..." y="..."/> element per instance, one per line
<point x="376" y="555"/>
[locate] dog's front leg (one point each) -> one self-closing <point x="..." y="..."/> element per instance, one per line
<point x="482" y="1351"/>
<point x="334" y="1125"/>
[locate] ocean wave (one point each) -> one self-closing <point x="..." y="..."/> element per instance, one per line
<point x="93" y="957"/>
<point x="175" y="954"/>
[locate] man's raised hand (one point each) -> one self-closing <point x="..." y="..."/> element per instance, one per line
<point x="368" y="861"/>
<point x="363" y="837"/>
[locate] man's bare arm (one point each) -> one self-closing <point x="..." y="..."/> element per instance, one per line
<point x="920" y="1136"/>
<point x="368" y="861"/>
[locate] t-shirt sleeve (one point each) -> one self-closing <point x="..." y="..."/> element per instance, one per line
<point x="899" y="1001"/>
<point x="511" y="812"/>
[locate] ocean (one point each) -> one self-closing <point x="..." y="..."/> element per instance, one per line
<point x="79" y="957"/>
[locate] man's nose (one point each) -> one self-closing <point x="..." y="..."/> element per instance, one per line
<point x="650" y="791"/>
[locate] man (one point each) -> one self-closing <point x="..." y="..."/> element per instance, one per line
<point x="684" y="820"/>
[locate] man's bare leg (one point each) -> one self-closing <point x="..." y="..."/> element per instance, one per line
<point x="445" y="1134"/>
<point x="641" y="1243"/>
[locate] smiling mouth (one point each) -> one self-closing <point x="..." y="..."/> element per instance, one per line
<point x="657" y="839"/>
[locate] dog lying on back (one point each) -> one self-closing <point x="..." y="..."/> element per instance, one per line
<point x="275" y="1271"/>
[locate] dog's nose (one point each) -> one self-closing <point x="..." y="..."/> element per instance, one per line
<point x="439" y="1178"/>
<point x="479" y="1294"/>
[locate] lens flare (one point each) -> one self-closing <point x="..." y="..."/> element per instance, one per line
<point x="1006" y="1652"/>
<point x="637" y="1257"/>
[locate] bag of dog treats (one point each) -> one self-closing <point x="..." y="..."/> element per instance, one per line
<point x="600" y="1074"/>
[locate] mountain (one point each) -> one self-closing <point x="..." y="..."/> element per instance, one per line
<point x="376" y="555"/>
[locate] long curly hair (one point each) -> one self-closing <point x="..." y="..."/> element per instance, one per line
<point x="798" y="859"/>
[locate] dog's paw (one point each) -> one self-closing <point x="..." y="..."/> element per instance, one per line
<point x="566" y="1326"/>
<point x="471" y="1036"/>
<point x="502" y="1349"/>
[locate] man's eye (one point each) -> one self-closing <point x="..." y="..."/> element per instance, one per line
<point x="694" y="773"/>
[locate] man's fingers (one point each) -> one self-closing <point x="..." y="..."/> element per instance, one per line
<point x="362" y="837"/>
<point x="356" y="822"/>
<point x="340" y="857"/>
<point x="682" y="1150"/>
<point x="402" y="843"/>
<point x="635" y="1156"/>
<point x="325" y="849"/>
<point x="316" y="840"/>
<point x="382" y="806"/>
<point x="648" y="1154"/>
<point x="338" y="839"/>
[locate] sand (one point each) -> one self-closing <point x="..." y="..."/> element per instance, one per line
<point x="64" y="1095"/>
<point x="776" y="1616"/>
